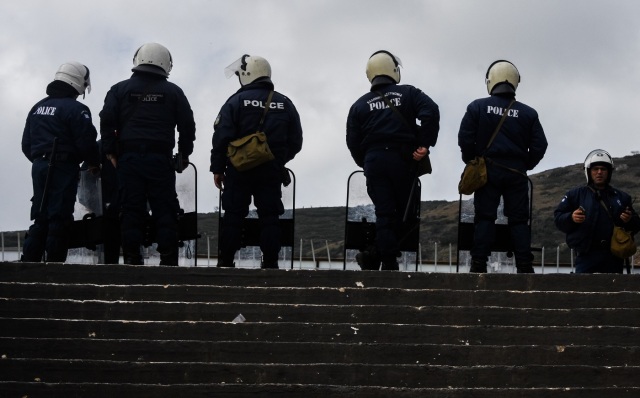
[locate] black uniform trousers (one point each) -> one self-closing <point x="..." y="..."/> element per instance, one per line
<point x="48" y="233"/>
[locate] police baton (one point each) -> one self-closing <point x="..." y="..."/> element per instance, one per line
<point x="407" y="209"/>
<point x="47" y="182"/>
<point x="410" y="200"/>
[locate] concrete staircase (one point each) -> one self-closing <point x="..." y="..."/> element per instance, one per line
<point x="127" y="331"/>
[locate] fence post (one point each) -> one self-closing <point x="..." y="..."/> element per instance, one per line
<point x="300" y="253"/>
<point x="435" y="256"/>
<point x="571" y="260"/>
<point x="326" y="242"/>
<point x="208" y="250"/>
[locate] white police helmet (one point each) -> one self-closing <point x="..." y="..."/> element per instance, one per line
<point x="76" y="75"/>
<point x="598" y="157"/>
<point x="383" y="63"/>
<point x="249" y="68"/>
<point x="153" y="58"/>
<point x="502" y="77"/>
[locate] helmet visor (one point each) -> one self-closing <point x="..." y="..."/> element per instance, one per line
<point x="398" y="61"/>
<point x="235" y="67"/>
<point x="87" y="80"/>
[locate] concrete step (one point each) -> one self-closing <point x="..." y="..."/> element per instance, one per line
<point x="104" y="331"/>
<point x="314" y="352"/>
<point x="263" y="390"/>
<point x="316" y="313"/>
<point x="347" y="295"/>
<point x="153" y="275"/>
<point x="353" y="333"/>
<point x="353" y="374"/>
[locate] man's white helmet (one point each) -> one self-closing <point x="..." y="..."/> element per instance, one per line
<point x="76" y="75"/>
<point x="153" y="58"/>
<point x="502" y="77"/>
<point x="598" y="157"/>
<point x="249" y="68"/>
<point x="383" y="63"/>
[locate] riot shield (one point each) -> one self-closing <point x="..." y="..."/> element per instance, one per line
<point x="250" y="255"/>
<point x="187" y="190"/>
<point x="85" y="234"/>
<point x="360" y="229"/>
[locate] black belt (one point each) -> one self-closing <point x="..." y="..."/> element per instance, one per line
<point x="389" y="147"/>
<point x="59" y="157"/>
<point x="600" y="245"/>
<point x="144" y="147"/>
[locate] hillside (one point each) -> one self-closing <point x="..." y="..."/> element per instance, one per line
<point x="439" y="219"/>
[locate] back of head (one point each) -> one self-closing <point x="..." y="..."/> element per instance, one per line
<point x="383" y="63"/>
<point x="249" y="68"/>
<point x="153" y="58"/>
<point x="598" y="157"/>
<point x="76" y="75"/>
<point x="502" y="78"/>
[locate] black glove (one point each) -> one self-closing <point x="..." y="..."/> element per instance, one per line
<point x="180" y="162"/>
<point x="286" y="177"/>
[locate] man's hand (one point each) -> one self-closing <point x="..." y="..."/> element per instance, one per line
<point x="218" y="179"/>
<point x="625" y="216"/>
<point x="578" y="216"/>
<point x="419" y="153"/>
<point x="185" y="162"/>
<point x="113" y="159"/>
<point x="94" y="170"/>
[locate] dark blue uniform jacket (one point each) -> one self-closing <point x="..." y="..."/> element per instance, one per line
<point x="163" y="106"/>
<point x="521" y="142"/>
<point x="60" y="116"/>
<point x="371" y="124"/>
<point x="598" y="226"/>
<point x="240" y="116"/>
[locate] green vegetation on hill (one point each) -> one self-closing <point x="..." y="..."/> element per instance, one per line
<point x="439" y="219"/>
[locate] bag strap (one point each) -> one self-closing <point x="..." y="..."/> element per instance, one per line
<point x="603" y="204"/>
<point x="495" y="133"/>
<point x="406" y="123"/>
<point x="393" y="107"/>
<point x="266" y="108"/>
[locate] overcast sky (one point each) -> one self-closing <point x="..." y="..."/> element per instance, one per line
<point x="579" y="61"/>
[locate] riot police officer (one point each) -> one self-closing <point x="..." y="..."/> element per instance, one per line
<point x="137" y="126"/>
<point x="389" y="148"/>
<point x="588" y="213"/>
<point x="519" y="146"/>
<point x="58" y="136"/>
<point x="239" y="117"/>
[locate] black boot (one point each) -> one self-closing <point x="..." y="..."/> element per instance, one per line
<point x="133" y="259"/>
<point x="390" y="265"/>
<point x="170" y="259"/>
<point x="226" y="262"/>
<point x="526" y="268"/>
<point x="478" y="267"/>
<point x="266" y="264"/>
<point x="368" y="259"/>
